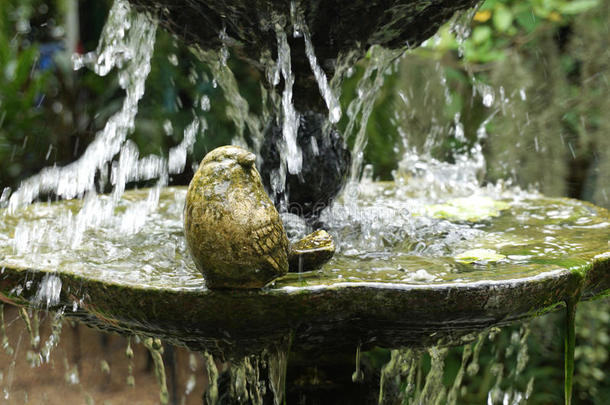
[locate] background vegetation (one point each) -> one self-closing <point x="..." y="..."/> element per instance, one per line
<point x="530" y="83"/>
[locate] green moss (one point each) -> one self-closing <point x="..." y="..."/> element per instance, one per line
<point x="479" y="255"/>
<point x="577" y="266"/>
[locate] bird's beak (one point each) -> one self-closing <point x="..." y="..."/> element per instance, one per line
<point x="246" y="159"/>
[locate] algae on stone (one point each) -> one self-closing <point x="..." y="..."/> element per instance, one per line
<point x="479" y="256"/>
<point x="472" y="209"/>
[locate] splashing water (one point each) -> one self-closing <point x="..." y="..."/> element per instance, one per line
<point x="127" y="44"/>
<point x="49" y="290"/>
<point x="361" y="107"/>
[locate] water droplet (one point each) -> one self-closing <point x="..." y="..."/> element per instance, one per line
<point x="173" y="59"/>
<point x="488" y="99"/>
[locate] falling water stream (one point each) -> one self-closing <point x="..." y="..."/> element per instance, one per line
<point x="378" y="227"/>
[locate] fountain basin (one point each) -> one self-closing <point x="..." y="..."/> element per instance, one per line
<point x="143" y="281"/>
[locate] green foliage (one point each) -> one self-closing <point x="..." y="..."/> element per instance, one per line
<point x="48" y="114"/>
<point x="500" y="25"/>
<point x="20" y="91"/>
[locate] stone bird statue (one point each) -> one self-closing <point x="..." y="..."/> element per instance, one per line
<point x="234" y="232"/>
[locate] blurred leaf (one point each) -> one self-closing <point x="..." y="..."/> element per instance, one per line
<point x="481" y="34"/>
<point x="577" y="6"/>
<point x="502" y="18"/>
<point x="527" y="20"/>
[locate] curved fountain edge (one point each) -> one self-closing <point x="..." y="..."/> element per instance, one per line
<point x="319" y="318"/>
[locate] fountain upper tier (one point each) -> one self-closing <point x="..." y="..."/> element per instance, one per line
<point x="347" y="27"/>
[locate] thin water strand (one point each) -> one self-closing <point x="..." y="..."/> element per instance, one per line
<point x="473" y="367"/>
<point x="402" y="367"/>
<point x="277" y="363"/>
<point x="569" y="346"/>
<point x="301" y="28"/>
<point x="358" y="375"/>
<point x="31" y="326"/>
<point x="495" y="394"/>
<point x="192" y="380"/>
<point x="522" y="352"/>
<point x="130" y="381"/>
<point x="53" y="339"/>
<point x="176" y="160"/>
<point x="211" y="393"/>
<point x="155" y="348"/>
<point x="4" y="341"/>
<point x="246" y="384"/>
<point x="360" y="109"/>
<point x="290" y="153"/>
<point x="454" y="393"/>
<point x="434" y="391"/>
<point x="238" y="110"/>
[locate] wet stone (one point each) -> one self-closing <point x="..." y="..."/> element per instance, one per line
<point x="311" y="252"/>
<point x="336" y="27"/>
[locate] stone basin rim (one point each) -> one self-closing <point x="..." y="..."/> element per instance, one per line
<point x="439" y="286"/>
<point x="338" y="312"/>
<point x="397" y="323"/>
<point x="558" y="272"/>
<point x="555" y="273"/>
